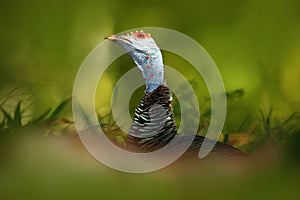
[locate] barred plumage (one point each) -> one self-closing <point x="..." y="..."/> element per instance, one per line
<point x="140" y="142"/>
<point x="153" y="122"/>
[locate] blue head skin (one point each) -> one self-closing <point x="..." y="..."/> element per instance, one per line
<point x="146" y="54"/>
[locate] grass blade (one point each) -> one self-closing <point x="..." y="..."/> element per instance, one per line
<point x="9" y="119"/>
<point x="59" y="108"/>
<point x="242" y="125"/>
<point x="42" y="116"/>
<point x="2" y="125"/>
<point x="7" y="96"/>
<point x="293" y="116"/>
<point x="17" y="121"/>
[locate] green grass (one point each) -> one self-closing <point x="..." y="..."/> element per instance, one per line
<point x="267" y="129"/>
<point x="12" y="121"/>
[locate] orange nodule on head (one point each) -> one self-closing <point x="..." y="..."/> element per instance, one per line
<point x="140" y="34"/>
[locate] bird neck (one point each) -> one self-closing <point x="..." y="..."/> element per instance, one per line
<point x="152" y="68"/>
<point x="153" y="125"/>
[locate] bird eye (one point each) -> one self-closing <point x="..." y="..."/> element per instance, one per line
<point x="139" y="36"/>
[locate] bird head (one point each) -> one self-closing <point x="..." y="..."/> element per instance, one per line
<point x="145" y="53"/>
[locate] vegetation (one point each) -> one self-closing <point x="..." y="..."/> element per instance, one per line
<point x="247" y="136"/>
<point x="12" y="122"/>
<point x="255" y="44"/>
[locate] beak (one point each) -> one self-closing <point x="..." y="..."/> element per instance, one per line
<point x="111" y="38"/>
<point x="118" y="39"/>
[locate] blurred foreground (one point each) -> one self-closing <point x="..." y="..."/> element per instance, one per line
<point x="34" y="166"/>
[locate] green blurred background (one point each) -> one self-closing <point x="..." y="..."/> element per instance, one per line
<point x="255" y="44"/>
